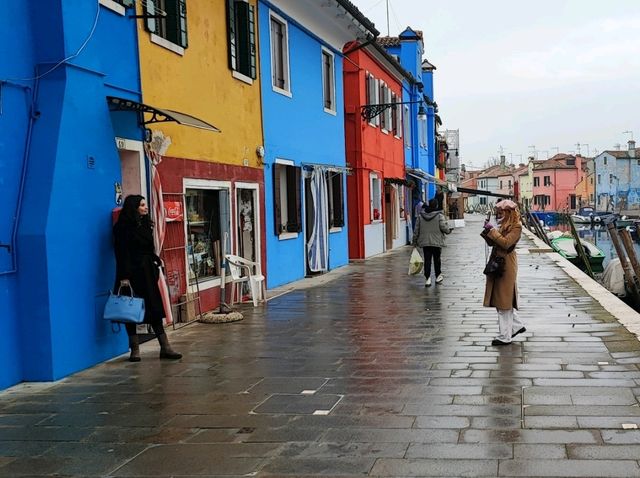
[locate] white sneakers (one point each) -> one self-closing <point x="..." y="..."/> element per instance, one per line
<point x="439" y="279"/>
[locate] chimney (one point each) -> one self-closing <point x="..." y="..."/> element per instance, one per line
<point x="503" y="160"/>
<point x="632" y="149"/>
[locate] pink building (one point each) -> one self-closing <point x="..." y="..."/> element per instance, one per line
<point x="555" y="181"/>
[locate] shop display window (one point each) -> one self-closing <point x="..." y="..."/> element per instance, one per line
<point x="208" y="226"/>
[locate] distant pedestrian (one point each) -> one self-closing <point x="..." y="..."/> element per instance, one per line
<point x="501" y="290"/>
<point x="137" y="269"/>
<point x="431" y="227"/>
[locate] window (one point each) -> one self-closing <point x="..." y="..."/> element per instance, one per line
<point x="605" y="160"/>
<point x="599" y="179"/>
<point x="547" y="180"/>
<point x="396" y="115"/>
<point x="384" y="123"/>
<point x="279" y="54"/>
<point x="571" y="162"/>
<point x="286" y="190"/>
<point x="501" y="184"/>
<point x="406" y="123"/>
<point x="328" y="82"/>
<point x="376" y="198"/>
<point x="483" y="201"/>
<point x="591" y="197"/>
<point x="336" y="199"/>
<point x="611" y="179"/>
<point x="241" y="28"/>
<point x="208" y="225"/>
<point x="509" y="184"/>
<point x="591" y="179"/>
<point x="536" y="182"/>
<point x="173" y="25"/>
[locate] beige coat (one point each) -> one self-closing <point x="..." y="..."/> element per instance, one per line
<point x="502" y="292"/>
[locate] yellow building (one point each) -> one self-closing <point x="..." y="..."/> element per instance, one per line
<point x="526" y="185"/>
<point x="201" y="59"/>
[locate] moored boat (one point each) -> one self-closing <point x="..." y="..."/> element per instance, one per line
<point x="566" y="247"/>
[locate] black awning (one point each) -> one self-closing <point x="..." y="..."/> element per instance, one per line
<point x="479" y="192"/>
<point x="158" y="115"/>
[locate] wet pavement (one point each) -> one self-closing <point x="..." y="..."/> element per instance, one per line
<point x="369" y="374"/>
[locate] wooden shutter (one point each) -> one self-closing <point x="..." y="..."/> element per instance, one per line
<point x="338" y="201"/>
<point x="242" y="38"/>
<point x="294" y="210"/>
<point x="231" y="32"/>
<point x="150" y="10"/>
<point x="252" y="43"/>
<point x="394" y="115"/>
<point x="182" y="23"/>
<point x="276" y="199"/>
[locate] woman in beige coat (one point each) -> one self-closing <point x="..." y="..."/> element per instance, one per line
<point x="502" y="292"/>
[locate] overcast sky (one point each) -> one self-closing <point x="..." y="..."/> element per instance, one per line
<point x="518" y="73"/>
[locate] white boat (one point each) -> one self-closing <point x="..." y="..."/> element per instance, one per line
<point x="578" y="219"/>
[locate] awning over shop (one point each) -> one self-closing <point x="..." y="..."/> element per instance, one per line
<point x="158" y="115"/>
<point x="424" y="176"/>
<point x="479" y="192"/>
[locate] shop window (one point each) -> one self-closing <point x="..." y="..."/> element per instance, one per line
<point x="279" y="54"/>
<point x="328" y="81"/>
<point x="241" y="27"/>
<point x="376" y="198"/>
<point x="336" y="199"/>
<point x="208" y="226"/>
<point x="286" y="188"/>
<point x="172" y="26"/>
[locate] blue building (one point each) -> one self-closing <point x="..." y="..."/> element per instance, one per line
<point x="303" y="116"/>
<point x="419" y="113"/>
<point x="60" y="174"/>
<point x="617" y="179"/>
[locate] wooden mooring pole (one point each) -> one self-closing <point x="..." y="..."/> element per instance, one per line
<point x="628" y="275"/>
<point x="579" y="249"/>
<point x="633" y="258"/>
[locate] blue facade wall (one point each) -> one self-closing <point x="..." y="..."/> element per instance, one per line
<point x="298" y="129"/>
<point x="619" y="185"/>
<point x="64" y="256"/>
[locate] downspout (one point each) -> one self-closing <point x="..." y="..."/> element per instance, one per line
<point x="33" y="116"/>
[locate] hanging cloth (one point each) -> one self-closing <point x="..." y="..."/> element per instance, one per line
<point x="160" y="228"/>
<point x="318" y="245"/>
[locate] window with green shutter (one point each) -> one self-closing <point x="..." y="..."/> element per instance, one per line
<point x="241" y="25"/>
<point x="168" y="19"/>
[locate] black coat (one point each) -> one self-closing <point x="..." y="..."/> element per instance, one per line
<point x="137" y="261"/>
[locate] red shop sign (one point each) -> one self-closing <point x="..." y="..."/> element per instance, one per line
<point x="173" y="211"/>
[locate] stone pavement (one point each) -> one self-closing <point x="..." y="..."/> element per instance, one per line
<point x="369" y="374"/>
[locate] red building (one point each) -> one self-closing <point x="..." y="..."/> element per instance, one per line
<point x="555" y="181"/>
<point x="376" y="189"/>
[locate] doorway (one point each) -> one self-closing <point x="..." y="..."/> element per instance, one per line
<point x="133" y="169"/>
<point x="247" y="226"/>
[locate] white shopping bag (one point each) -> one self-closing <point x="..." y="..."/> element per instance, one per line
<point x="416" y="262"/>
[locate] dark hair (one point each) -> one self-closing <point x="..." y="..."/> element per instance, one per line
<point x="129" y="214"/>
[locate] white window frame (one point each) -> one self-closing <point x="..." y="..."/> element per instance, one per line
<point x="329" y="53"/>
<point x="114" y="6"/>
<point x="124" y="144"/>
<point x="375" y="177"/>
<point x="384" y="89"/>
<point x="285" y="57"/>
<point x="258" y="224"/>
<point x="371" y="97"/>
<point x="284" y="211"/>
<point x="211" y="185"/>
<point x="406" y="124"/>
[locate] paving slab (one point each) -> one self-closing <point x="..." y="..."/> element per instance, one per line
<point x="364" y="372"/>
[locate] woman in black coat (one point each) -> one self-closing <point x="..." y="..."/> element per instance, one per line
<point x="137" y="269"/>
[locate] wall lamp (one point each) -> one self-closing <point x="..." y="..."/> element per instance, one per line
<point x="368" y="112"/>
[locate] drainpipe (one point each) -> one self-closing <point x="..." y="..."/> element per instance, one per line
<point x="33" y="116"/>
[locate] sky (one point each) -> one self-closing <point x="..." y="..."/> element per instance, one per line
<point x="519" y="74"/>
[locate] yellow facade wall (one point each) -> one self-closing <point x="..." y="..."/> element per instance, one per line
<point x="201" y="84"/>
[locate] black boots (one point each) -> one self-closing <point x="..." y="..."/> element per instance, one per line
<point x="166" y="352"/>
<point x="134" y="345"/>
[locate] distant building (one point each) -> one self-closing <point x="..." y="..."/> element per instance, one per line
<point x="617" y="179"/>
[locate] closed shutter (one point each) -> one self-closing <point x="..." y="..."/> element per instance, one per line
<point x="252" y="43"/>
<point x="149" y="11"/>
<point x="338" y="201"/>
<point x="182" y="23"/>
<point x="231" y="29"/>
<point x="276" y="199"/>
<point x="294" y="212"/>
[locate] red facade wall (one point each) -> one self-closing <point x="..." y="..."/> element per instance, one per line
<point x="172" y="172"/>
<point x="369" y="149"/>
